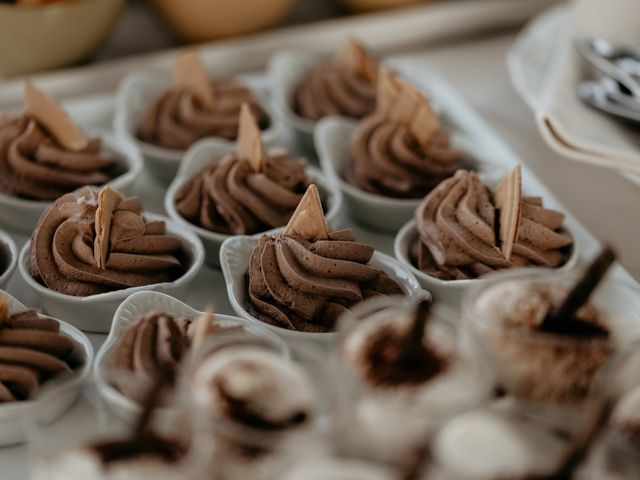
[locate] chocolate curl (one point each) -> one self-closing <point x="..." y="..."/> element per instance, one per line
<point x="249" y="145"/>
<point x="189" y="74"/>
<point x="108" y="200"/>
<point x="202" y="327"/>
<point x="53" y="118"/>
<point x="355" y="58"/>
<point x="581" y="291"/>
<point x="308" y="220"/>
<point x="508" y="198"/>
<point x="4" y="309"/>
<point x="152" y="401"/>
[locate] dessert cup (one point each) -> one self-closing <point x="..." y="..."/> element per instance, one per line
<point x="132" y="308"/>
<point x="138" y="91"/>
<point x="544" y="370"/>
<point x="206" y="152"/>
<point x="393" y="412"/>
<point x="94" y="313"/>
<point x="333" y="136"/>
<point x="64" y="389"/>
<point x="235" y="254"/>
<point x="8" y="258"/>
<point x="22" y="214"/>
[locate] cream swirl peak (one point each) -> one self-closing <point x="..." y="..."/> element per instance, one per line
<point x="306" y="277"/>
<point x="247" y="191"/>
<point x="342" y="86"/>
<point x="44" y="156"/>
<point x="458" y="221"/>
<point x="134" y="252"/>
<point x="196" y="108"/>
<point x="400" y="150"/>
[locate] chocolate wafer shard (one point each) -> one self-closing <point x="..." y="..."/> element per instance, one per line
<point x="508" y="198"/>
<point x="354" y="57"/>
<point x="308" y="220"/>
<point x="249" y="145"/>
<point x="53" y="118"/>
<point x="4" y="308"/>
<point x="108" y="200"/>
<point x="386" y="91"/>
<point x="202" y="327"/>
<point x="424" y="124"/>
<point x="189" y="74"/>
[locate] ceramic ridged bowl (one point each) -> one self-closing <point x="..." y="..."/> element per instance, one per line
<point x="132" y="308"/>
<point x="12" y="415"/>
<point x="208" y="151"/>
<point x="22" y="215"/>
<point x="234" y="259"/>
<point x="138" y="91"/>
<point x="94" y="313"/>
<point x="8" y="258"/>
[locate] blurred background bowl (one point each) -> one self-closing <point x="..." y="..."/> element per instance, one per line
<point x="200" y="20"/>
<point x="49" y="36"/>
<point x="372" y="5"/>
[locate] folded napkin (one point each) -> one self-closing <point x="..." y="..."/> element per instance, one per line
<point x="568" y="125"/>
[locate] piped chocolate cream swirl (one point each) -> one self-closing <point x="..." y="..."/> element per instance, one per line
<point x="345" y="85"/>
<point x="82" y="246"/>
<point x="457" y="223"/>
<point x="32" y="351"/>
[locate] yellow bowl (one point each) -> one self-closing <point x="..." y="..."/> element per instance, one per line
<point x="372" y="5"/>
<point x="43" y="37"/>
<point x="200" y="20"/>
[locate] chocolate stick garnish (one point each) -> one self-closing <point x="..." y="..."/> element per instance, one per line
<point x="581" y="291"/>
<point x="413" y="348"/>
<point x="164" y="377"/>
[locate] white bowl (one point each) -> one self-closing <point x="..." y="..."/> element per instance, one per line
<point x="206" y="152"/>
<point x="333" y="139"/>
<point x="234" y="259"/>
<point x="451" y="291"/>
<point x="9" y="252"/>
<point x="132" y="308"/>
<point x="94" y="313"/>
<point x="12" y="415"/>
<point x="138" y="91"/>
<point x="22" y="215"/>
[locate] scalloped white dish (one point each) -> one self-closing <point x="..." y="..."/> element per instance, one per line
<point x="12" y="415"/>
<point x="208" y="151"/>
<point x="132" y="308"/>
<point x="234" y="259"/>
<point x="8" y="258"/>
<point x="134" y="95"/>
<point x="94" y="313"/>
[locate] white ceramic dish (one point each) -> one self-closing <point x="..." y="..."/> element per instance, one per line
<point x="12" y="415"/>
<point x="134" y="95"/>
<point x="94" y="313"/>
<point x="333" y="139"/>
<point x="22" y="215"/>
<point x="132" y="308"/>
<point x="206" y="152"/>
<point x="234" y="259"/>
<point x="8" y="258"/>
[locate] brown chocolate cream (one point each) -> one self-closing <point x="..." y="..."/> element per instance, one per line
<point x="34" y="166"/>
<point x="177" y="119"/>
<point x="139" y="252"/>
<point x="229" y="197"/>
<point x="302" y="285"/>
<point x="457" y="224"/>
<point x="388" y="160"/>
<point x="32" y="351"/>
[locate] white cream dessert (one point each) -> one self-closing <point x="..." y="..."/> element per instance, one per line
<point x="338" y="469"/>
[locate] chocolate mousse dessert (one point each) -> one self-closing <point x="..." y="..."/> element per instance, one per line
<point x="306" y="277"/>
<point x="466" y="230"/>
<point x="549" y="342"/>
<point x="32" y="351"/>
<point x="196" y="107"/>
<point x="247" y="191"/>
<point x="400" y="150"/>
<point x="87" y="243"/>
<point x="43" y="155"/>
<point x="345" y="85"/>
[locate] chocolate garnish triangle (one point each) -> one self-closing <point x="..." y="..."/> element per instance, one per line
<point x="308" y="220"/>
<point x="249" y="145"/>
<point x="354" y="57"/>
<point x="508" y="198"/>
<point x="53" y="118"/>
<point x="201" y="328"/>
<point x="189" y="74"/>
<point x="108" y="200"/>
